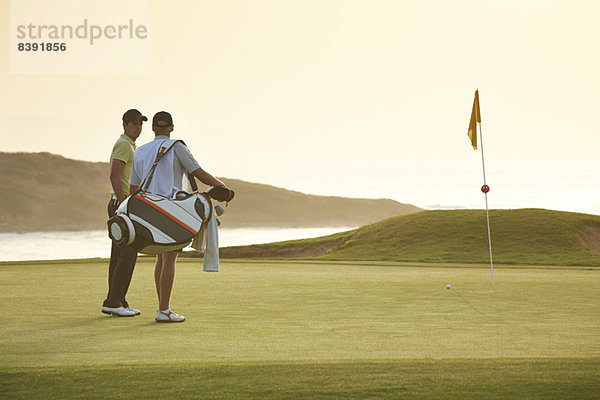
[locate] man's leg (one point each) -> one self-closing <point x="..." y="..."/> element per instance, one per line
<point x="164" y="275"/>
<point x="157" y="271"/>
<point x="121" y="276"/>
<point x="127" y="260"/>
<point x="167" y="277"/>
<point x="114" y="258"/>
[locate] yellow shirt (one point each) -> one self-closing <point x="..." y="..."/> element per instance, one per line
<point x="123" y="150"/>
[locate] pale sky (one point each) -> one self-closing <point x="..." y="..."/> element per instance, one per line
<point x="294" y="81"/>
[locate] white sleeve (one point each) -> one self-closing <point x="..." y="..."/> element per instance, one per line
<point x="185" y="158"/>
<point x="134" y="179"/>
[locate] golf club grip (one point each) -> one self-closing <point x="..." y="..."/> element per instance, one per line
<point x="193" y="184"/>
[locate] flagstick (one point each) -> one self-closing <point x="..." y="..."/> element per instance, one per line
<point x="487" y="212"/>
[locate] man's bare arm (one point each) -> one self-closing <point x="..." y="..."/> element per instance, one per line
<point x="206" y="178"/>
<point x="116" y="172"/>
<point x="133" y="188"/>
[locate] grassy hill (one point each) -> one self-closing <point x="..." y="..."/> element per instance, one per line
<point x="42" y="191"/>
<point x="524" y="236"/>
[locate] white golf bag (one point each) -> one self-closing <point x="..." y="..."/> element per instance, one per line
<point x="153" y="224"/>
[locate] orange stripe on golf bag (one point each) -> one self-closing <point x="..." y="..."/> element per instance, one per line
<point x="172" y="217"/>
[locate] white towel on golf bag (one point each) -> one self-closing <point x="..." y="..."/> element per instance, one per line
<point x="207" y="240"/>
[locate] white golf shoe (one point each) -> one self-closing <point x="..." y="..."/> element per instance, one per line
<point x="118" y="311"/>
<point x="168" y="316"/>
<point x="135" y="312"/>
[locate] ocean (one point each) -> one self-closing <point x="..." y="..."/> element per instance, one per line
<point x="436" y="184"/>
<point x="91" y="244"/>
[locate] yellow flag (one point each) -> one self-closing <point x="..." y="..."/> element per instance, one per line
<point x="475" y="118"/>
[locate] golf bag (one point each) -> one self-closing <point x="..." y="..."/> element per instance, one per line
<point x="154" y="224"/>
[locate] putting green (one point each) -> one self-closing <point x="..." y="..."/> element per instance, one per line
<point x="294" y="319"/>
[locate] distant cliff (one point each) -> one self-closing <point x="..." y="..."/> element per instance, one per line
<point x="47" y="192"/>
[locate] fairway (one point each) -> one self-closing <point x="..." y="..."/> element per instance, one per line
<point x="285" y="329"/>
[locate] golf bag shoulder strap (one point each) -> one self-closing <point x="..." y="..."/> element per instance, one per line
<point x="162" y="151"/>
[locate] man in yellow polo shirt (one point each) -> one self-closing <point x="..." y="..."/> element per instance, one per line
<point x="122" y="258"/>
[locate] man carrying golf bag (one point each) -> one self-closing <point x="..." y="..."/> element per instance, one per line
<point x="165" y="179"/>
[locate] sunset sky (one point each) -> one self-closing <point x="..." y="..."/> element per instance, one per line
<point x="337" y="80"/>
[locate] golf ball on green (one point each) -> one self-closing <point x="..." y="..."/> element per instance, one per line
<point x="448" y="286"/>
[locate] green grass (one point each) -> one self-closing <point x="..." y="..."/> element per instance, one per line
<point x="524" y="236"/>
<point x="279" y="329"/>
<point x="407" y="379"/>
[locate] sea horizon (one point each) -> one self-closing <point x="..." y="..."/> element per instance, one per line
<point x="57" y="245"/>
<point x="565" y="185"/>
